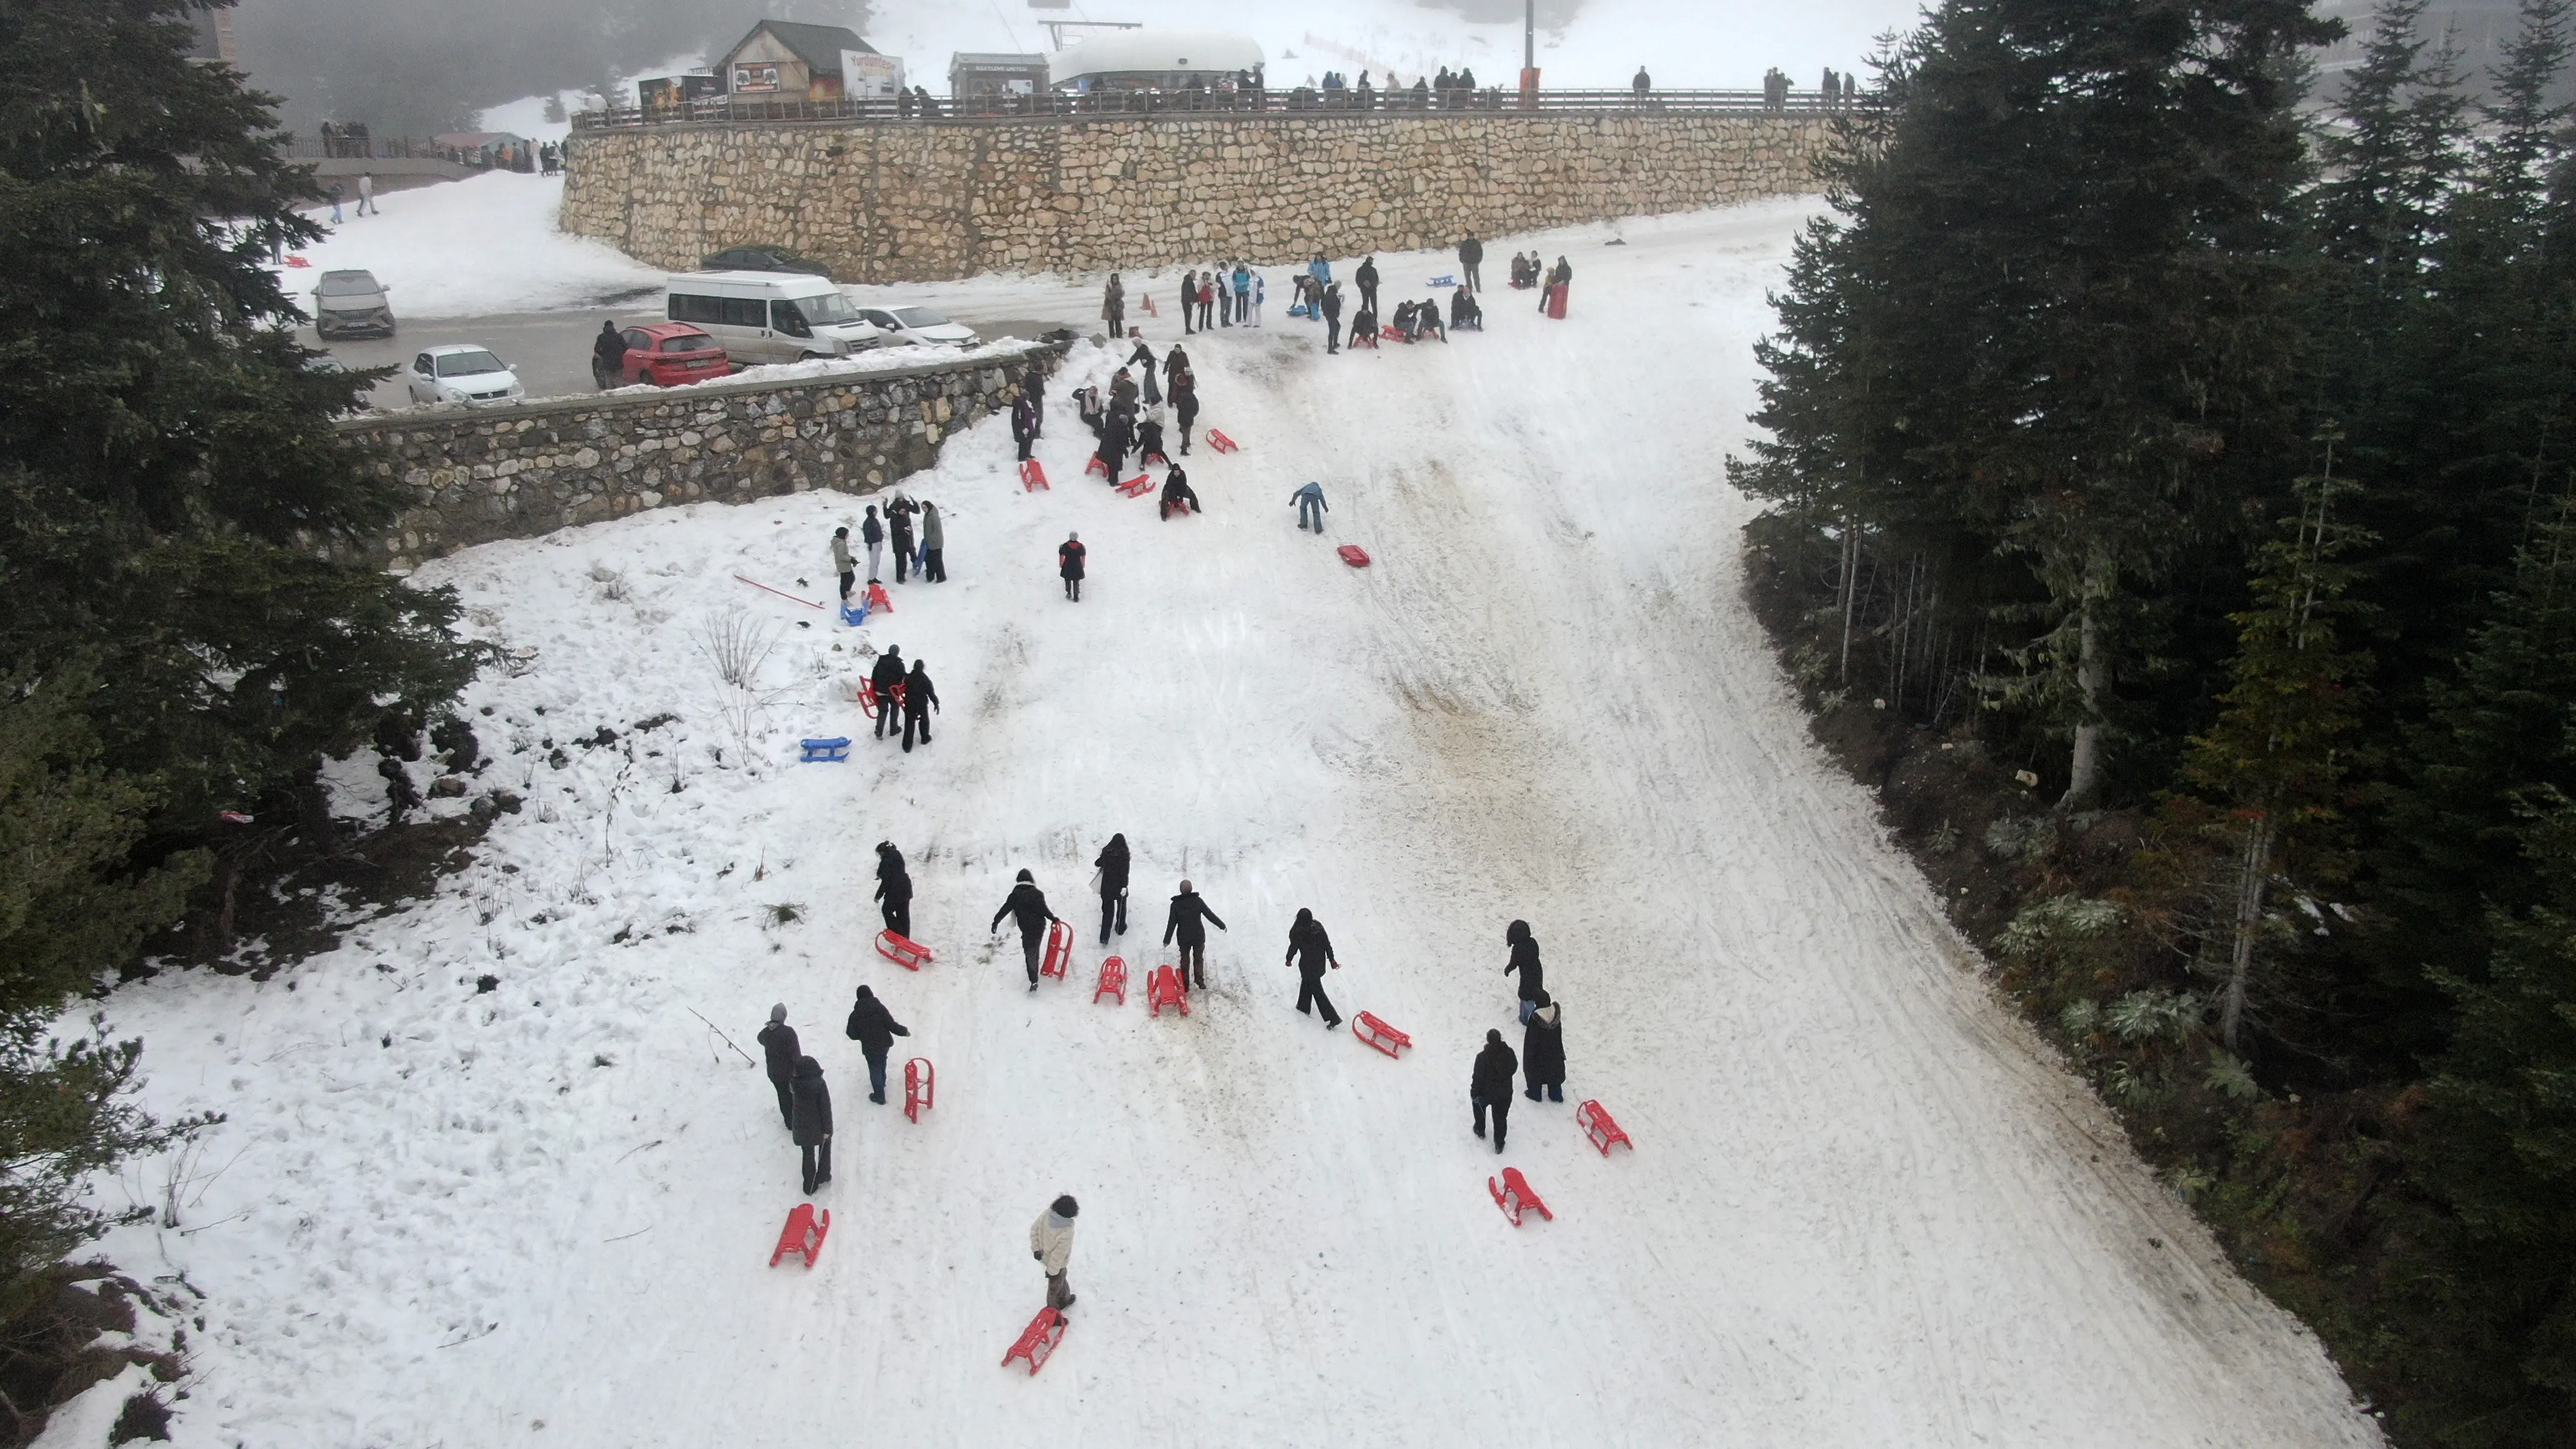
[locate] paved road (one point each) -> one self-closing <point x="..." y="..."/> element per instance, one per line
<point x="550" y="350"/>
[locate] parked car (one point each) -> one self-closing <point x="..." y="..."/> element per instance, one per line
<point x="461" y="373"/>
<point x="760" y="259"/>
<point x="771" y="316"/>
<point x="665" y="353"/>
<point x="919" y="326"/>
<point x="351" y="304"/>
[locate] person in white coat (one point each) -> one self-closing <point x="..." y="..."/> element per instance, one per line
<point x="1051" y="1243"/>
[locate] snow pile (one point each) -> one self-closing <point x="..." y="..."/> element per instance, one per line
<point x="474" y="247"/>
<point x="891" y="358"/>
<point x="1864" y="1208"/>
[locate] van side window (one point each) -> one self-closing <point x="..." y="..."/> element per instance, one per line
<point x="701" y="310"/>
<point x="785" y="317"/>
<point x="745" y="312"/>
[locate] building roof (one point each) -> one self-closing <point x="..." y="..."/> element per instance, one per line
<point x="994" y="60"/>
<point x="819" y="46"/>
<point x="1148" y="52"/>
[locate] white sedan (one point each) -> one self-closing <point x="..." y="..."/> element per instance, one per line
<point x="919" y="326"/>
<point x="461" y="373"/>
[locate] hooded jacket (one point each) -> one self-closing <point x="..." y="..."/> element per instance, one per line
<point x="1543" y="1047"/>
<point x="1525" y="960"/>
<point x="1492" y="1079"/>
<point x="886" y="673"/>
<point x="778" y="1043"/>
<point x="920" y="696"/>
<point x="1026" y="904"/>
<point x="1051" y="1238"/>
<point x="1308" y="946"/>
<point x="872" y="1026"/>
<point x="1188" y="920"/>
<point x="812" y="1101"/>
<point x="1113" y="866"/>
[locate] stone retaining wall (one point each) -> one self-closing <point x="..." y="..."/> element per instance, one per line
<point x="530" y="468"/>
<point x="927" y="201"/>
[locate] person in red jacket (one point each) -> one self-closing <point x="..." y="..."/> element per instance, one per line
<point x="1069" y="564"/>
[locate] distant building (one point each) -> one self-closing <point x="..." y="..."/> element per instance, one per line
<point x="664" y="94"/>
<point x="973" y="76"/>
<point x="1157" y="59"/>
<point x="784" y="60"/>
<point x="214" y="38"/>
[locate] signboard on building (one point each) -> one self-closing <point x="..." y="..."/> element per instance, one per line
<point x="866" y="75"/>
<point x="755" y="76"/>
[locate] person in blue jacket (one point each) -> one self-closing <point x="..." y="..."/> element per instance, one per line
<point x="1311" y="507"/>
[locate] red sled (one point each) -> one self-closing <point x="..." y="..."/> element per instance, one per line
<point x="1354" y="555"/>
<point x="1222" y="443"/>
<point x="877" y="599"/>
<point x="1059" y="951"/>
<point x="1514" y="1196"/>
<point x="1372" y="1031"/>
<point x="1113" y="981"/>
<point x="1597" y="1125"/>
<point x="1038" y="1342"/>
<point x="1138" y="486"/>
<point x="918" y="1084"/>
<point x="868" y="697"/>
<point x="903" y="951"/>
<point x="1164" y="989"/>
<point x="1556" y="301"/>
<point x="1032" y="477"/>
<point x="803" y="1234"/>
<point x="1095" y="466"/>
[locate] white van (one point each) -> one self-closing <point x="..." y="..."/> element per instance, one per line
<point x="771" y="316"/>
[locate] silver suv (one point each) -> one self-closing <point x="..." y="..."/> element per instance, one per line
<point x="351" y="304"/>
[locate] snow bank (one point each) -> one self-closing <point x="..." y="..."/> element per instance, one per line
<point x="1865" y="1207"/>
<point x="475" y="247"/>
<point x="881" y="359"/>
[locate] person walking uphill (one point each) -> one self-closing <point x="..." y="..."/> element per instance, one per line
<point x="1543" y="1051"/>
<point x="886" y="677"/>
<point x="1113" y="306"/>
<point x="1027" y="905"/>
<point x="1068" y="558"/>
<point x="1112" y="881"/>
<point x="1311" y="951"/>
<point x="1368" y="283"/>
<point x="1188" y="922"/>
<point x="894" y="889"/>
<point x="1489" y="1088"/>
<point x="1311" y="506"/>
<point x="778" y="1044"/>
<point x="1051" y="1243"/>
<point x="920" y="697"/>
<point x="813" y="1123"/>
<point x="874" y="1029"/>
<point x="1525" y="961"/>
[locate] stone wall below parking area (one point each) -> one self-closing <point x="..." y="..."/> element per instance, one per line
<point x="529" y="468"/>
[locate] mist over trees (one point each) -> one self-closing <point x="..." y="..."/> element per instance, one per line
<point x="405" y="68"/>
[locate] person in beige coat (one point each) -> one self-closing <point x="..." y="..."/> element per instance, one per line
<point x="1051" y="1243"/>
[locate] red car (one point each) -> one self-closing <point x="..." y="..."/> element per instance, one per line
<point x="668" y="352"/>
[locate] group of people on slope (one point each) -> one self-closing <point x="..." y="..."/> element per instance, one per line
<point x="1542" y="1056"/>
<point x="804" y="1098"/>
<point x="1187" y="923"/>
<point x="919" y="537"/>
<point x="1231" y="293"/>
<point x="909" y="697"/>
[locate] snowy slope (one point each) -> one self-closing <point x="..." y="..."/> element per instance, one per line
<point x="1864" y="1209"/>
<point x="474" y="247"/>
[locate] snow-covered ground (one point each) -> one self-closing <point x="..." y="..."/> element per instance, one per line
<point x="1864" y="1208"/>
<point x="483" y="245"/>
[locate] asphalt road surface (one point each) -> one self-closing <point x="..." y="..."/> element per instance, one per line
<point x="551" y="350"/>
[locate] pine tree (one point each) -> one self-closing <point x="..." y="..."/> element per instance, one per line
<point x="2280" y="749"/>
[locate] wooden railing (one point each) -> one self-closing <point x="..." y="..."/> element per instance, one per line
<point x="1067" y="106"/>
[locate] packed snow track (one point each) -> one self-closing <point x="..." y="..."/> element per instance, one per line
<point x="1864" y="1207"/>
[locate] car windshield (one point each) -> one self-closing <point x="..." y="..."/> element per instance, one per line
<point x="919" y="317"/>
<point x="687" y="342"/>
<point x="468" y="364"/>
<point x="348" y="284"/>
<point x="829" y="310"/>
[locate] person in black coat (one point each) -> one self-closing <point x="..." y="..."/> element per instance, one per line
<point x="778" y="1044"/>
<point x="1184" y="388"/>
<point x="1178" y="495"/>
<point x="1525" y="961"/>
<point x="886" y="675"/>
<point x="1312" y="951"/>
<point x="899" y="533"/>
<point x="1543" y="1051"/>
<point x="813" y="1122"/>
<point x="608" y="356"/>
<point x="1333" y="318"/>
<point x="920" y="697"/>
<point x="1068" y="559"/>
<point x="1490" y="1087"/>
<point x="1188" y="922"/>
<point x="1027" y="905"/>
<point x="1149" y="440"/>
<point x="1368" y="283"/>
<point x="1471" y="257"/>
<point x="1113" y="886"/>
<point x="1024" y="423"/>
<point x="874" y="1029"/>
<point x="894" y="889"/>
